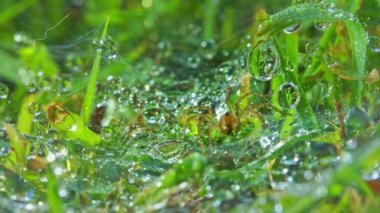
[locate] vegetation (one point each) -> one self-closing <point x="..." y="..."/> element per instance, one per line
<point x="187" y="106"/>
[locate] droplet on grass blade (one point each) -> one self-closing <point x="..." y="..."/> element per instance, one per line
<point x="311" y="49"/>
<point x="107" y="46"/>
<point x="293" y="29"/>
<point x="356" y="121"/>
<point x="290" y="66"/>
<point x="264" y="61"/>
<point x="289" y="96"/>
<point x="33" y="108"/>
<point x="322" y="25"/>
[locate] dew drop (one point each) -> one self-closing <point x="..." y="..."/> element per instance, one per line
<point x="352" y="144"/>
<point x="165" y="49"/>
<point x="58" y="171"/>
<point x="322" y="25"/>
<point x="194" y="61"/>
<point x="4" y="149"/>
<point x="308" y="175"/>
<point x="227" y="70"/>
<point x="293" y="29"/>
<point x="74" y="128"/>
<point x="264" y="142"/>
<point x="330" y="6"/>
<point x="264" y="61"/>
<point x="235" y="187"/>
<point x="108" y="47"/>
<point x="290" y="66"/>
<point x="33" y="108"/>
<point x="4" y="91"/>
<point x="374" y="43"/>
<point x="311" y="49"/>
<point x="63" y="192"/>
<point x="208" y="49"/>
<point x="289" y="96"/>
<point x="50" y="157"/>
<point x="356" y="121"/>
<point x="278" y="208"/>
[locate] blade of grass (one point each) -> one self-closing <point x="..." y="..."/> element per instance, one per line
<point x="25" y="118"/>
<point x="359" y="51"/>
<point x="17" y="145"/>
<point x="55" y="203"/>
<point x="209" y="19"/>
<point x="91" y="86"/>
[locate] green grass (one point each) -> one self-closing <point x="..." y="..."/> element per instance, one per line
<point x="91" y="86"/>
<point x="176" y="106"/>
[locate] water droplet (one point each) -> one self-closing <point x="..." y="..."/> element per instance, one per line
<point x="30" y="207"/>
<point x="194" y="61"/>
<point x="290" y="66"/>
<point x="278" y="208"/>
<point x="208" y="49"/>
<point x="4" y="91"/>
<point x="289" y="161"/>
<point x="352" y="144"/>
<point x="58" y="171"/>
<point x="330" y="6"/>
<point x="108" y="47"/>
<point x="264" y="61"/>
<point x="165" y="49"/>
<point x="227" y="70"/>
<point x="50" y="157"/>
<point x="264" y="142"/>
<point x="33" y="108"/>
<point x="322" y="25"/>
<point x="63" y="192"/>
<point x="235" y="187"/>
<point x="4" y="149"/>
<point x="288" y="96"/>
<point x="374" y="43"/>
<point x="293" y="29"/>
<point x="356" y="121"/>
<point x="311" y="49"/>
<point x="308" y="175"/>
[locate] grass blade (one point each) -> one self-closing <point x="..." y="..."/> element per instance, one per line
<point x="91" y="86"/>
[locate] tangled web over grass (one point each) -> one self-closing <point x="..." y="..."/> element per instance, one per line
<point x="198" y="118"/>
